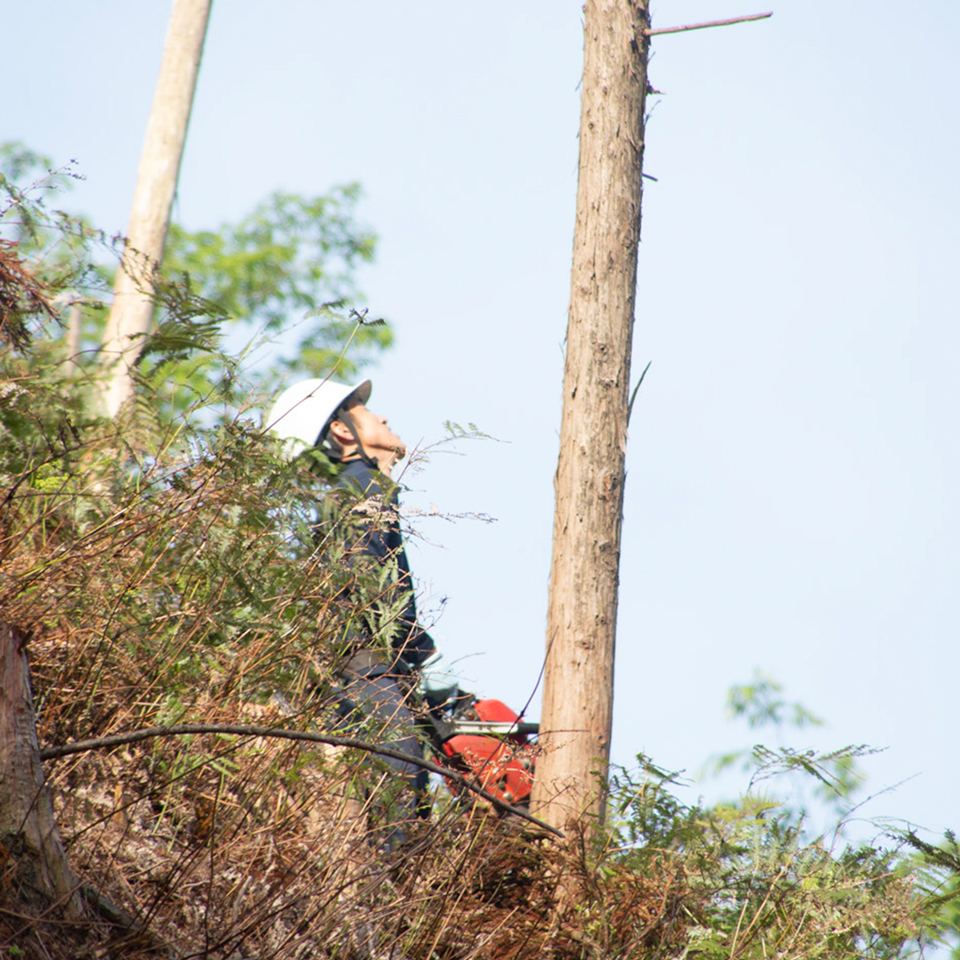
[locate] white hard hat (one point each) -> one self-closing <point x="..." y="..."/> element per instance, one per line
<point x="301" y="412"/>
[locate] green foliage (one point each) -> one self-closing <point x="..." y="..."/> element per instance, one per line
<point x="209" y="531"/>
<point x="760" y="885"/>
<point x="25" y="212"/>
<point x="63" y="247"/>
<point x="279" y="281"/>
<point x="283" y="266"/>
<point x="937" y="868"/>
<point x="757" y="889"/>
<point x="834" y="774"/>
<point x="760" y="704"/>
<point x="68" y="256"/>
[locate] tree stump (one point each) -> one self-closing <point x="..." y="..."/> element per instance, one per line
<point x="33" y="862"/>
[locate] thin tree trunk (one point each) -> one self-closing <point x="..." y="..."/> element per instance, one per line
<point x="132" y="311"/>
<point x="28" y="828"/>
<point x="74" y="324"/>
<point x="584" y="577"/>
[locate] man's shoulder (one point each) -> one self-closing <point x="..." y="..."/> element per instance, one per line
<point x="356" y="476"/>
<point x="365" y="484"/>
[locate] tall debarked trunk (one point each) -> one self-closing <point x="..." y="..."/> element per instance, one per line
<point x="584" y="576"/>
<point x="29" y="837"/>
<point x="132" y="312"/>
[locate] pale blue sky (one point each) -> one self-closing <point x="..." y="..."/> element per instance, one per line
<point x="791" y="498"/>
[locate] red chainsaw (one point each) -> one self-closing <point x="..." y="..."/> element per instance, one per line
<point x="486" y="741"/>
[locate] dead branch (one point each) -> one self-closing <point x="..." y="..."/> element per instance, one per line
<point x="22" y="295"/>
<point x="252" y="730"/>
<point x="711" y="23"/>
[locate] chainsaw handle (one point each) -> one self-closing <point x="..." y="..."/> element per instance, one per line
<point x="492" y="728"/>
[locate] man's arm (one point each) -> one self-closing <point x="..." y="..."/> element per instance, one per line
<point x="375" y="533"/>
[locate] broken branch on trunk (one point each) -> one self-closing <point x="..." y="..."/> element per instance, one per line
<point x="709" y="23"/>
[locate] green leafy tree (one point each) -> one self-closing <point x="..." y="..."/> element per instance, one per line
<point x="755" y="887"/>
<point x="66" y="252"/>
<point x="283" y="266"/>
<point x="830" y="779"/>
<point x="788" y="789"/>
<point x="278" y="287"/>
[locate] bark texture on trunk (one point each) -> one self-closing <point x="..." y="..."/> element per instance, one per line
<point x="28" y="829"/>
<point x="584" y="575"/>
<point x="132" y="310"/>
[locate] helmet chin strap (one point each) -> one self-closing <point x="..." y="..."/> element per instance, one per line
<point x="344" y="417"/>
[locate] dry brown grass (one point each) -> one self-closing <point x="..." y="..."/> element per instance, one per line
<point x="171" y="593"/>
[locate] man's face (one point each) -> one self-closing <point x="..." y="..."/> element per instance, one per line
<point x="376" y="438"/>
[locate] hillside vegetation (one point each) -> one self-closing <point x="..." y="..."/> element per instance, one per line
<point x="164" y="569"/>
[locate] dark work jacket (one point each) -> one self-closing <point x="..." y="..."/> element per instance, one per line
<point x="377" y="530"/>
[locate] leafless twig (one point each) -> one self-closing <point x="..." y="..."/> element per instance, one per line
<point x="711" y="23"/>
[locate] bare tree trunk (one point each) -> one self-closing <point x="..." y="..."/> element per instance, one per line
<point x="132" y="311"/>
<point x="28" y="828"/>
<point x="584" y="575"/>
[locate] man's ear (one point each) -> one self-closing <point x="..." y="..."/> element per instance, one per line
<point x="341" y="433"/>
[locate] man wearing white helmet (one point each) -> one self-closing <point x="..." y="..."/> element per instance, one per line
<point x="334" y="417"/>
